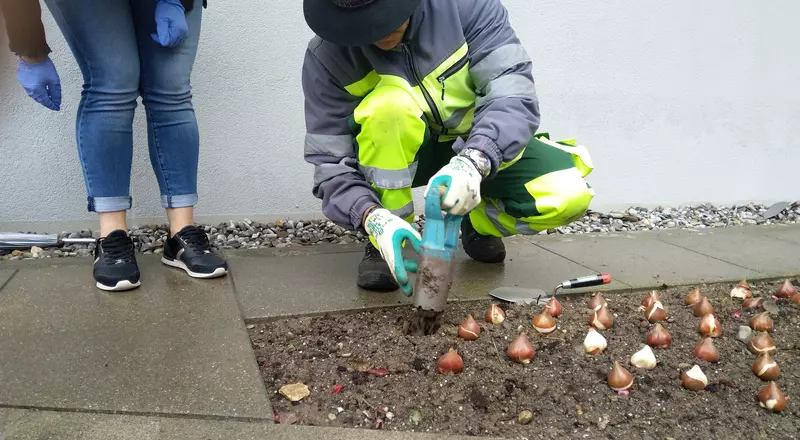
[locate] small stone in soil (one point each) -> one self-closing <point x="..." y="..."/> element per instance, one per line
<point x="525" y="417"/>
<point x="415" y="416"/>
<point x="744" y="334"/>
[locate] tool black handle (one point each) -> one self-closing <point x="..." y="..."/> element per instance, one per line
<point x="587" y="281"/>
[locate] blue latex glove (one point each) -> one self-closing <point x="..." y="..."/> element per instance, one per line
<point x="391" y="232"/>
<point x="170" y="23"/>
<point x="41" y="82"/>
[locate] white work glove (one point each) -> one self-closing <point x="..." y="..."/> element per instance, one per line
<point x="390" y="232"/>
<point x="463" y="182"/>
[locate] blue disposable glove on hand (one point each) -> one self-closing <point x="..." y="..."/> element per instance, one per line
<point x="170" y="23"/>
<point x="390" y="232"/>
<point x="41" y="82"/>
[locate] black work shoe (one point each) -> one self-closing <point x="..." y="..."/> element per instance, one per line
<point x="191" y="251"/>
<point x="483" y="248"/>
<point x="374" y="273"/>
<point x="115" y="267"/>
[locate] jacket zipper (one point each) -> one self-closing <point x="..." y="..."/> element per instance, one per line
<point x="452" y="71"/>
<point x="410" y="60"/>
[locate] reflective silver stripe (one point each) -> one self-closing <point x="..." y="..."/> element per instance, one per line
<point x="524" y="228"/>
<point x="494" y="215"/>
<point x="326" y="171"/>
<point x="497" y="62"/>
<point x="457" y="117"/>
<point x="389" y="179"/>
<point x="333" y="145"/>
<point x="405" y="211"/>
<point x="507" y="86"/>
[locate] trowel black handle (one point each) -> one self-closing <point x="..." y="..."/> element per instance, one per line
<point x="587" y="281"/>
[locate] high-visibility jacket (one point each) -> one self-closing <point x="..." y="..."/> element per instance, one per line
<point x="467" y="70"/>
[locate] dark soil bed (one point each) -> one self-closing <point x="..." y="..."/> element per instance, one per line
<point x="564" y="388"/>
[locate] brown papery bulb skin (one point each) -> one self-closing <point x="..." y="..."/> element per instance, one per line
<point x="703" y="307"/>
<point x="656" y="312"/>
<point x="752" y="303"/>
<point x="619" y="378"/>
<point x="786" y="290"/>
<point x="544" y="323"/>
<point x="762" y="323"/>
<point x="772" y="398"/>
<point x="495" y="315"/>
<point x="761" y="343"/>
<point x="796" y="299"/>
<point x="601" y="319"/>
<point x="520" y="350"/>
<point x="650" y="299"/>
<point x="659" y="337"/>
<point x="710" y="326"/>
<point x="766" y="368"/>
<point x="554" y="307"/>
<point x="694" y="379"/>
<point x="743" y="284"/>
<point x="597" y="301"/>
<point x="693" y="297"/>
<point x="450" y="362"/>
<point x="706" y="351"/>
<point x="469" y="330"/>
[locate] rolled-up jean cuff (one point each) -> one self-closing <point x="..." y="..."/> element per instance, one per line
<point x="181" y="201"/>
<point x="110" y="204"/>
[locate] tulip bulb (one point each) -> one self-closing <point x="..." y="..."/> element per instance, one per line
<point x="796" y="299"/>
<point x="694" y="379"/>
<point x="766" y="368"/>
<point x="742" y="290"/>
<point x="495" y="315"/>
<point x="703" y="307"/>
<point x="659" y="337"/>
<point x="693" y="297"/>
<point x="469" y="329"/>
<point x="597" y="301"/>
<point x="554" y="307"/>
<point x="594" y="343"/>
<point x="762" y="323"/>
<point x="644" y="358"/>
<point x="520" y="350"/>
<point x="771" y="398"/>
<point x="786" y="290"/>
<point x="619" y="378"/>
<point x="450" y="362"/>
<point x="752" y="303"/>
<point x="761" y="343"/>
<point x="710" y="326"/>
<point x="601" y="319"/>
<point x="706" y="351"/>
<point x="650" y="299"/>
<point x="656" y="312"/>
<point x="544" y="323"/>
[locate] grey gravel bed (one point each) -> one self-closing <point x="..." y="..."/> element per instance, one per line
<point x="149" y="239"/>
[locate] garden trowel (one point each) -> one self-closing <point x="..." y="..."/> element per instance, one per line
<point x="436" y="263"/>
<point x="522" y="295"/>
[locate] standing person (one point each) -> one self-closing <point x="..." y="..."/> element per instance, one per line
<point x="125" y="49"/>
<point x="403" y="93"/>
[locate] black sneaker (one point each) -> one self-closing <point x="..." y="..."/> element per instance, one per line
<point x="374" y="273"/>
<point x="115" y="266"/>
<point x="191" y="251"/>
<point x="483" y="248"/>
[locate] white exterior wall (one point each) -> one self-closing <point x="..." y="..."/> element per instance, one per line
<point x="679" y="102"/>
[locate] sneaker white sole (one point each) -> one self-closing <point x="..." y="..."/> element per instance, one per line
<point x="220" y="271"/>
<point x="120" y="286"/>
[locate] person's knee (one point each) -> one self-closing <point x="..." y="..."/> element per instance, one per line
<point x="113" y="89"/>
<point x="167" y="87"/>
<point x="571" y="201"/>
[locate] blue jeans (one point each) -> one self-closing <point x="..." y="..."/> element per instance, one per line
<point x="119" y="60"/>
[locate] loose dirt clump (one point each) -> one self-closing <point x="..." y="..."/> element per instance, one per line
<point x="364" y="371"/>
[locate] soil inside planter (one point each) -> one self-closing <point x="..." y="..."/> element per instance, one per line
<point x="564" y="388"/>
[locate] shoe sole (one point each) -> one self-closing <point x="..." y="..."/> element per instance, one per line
<point x="218" y="272"/>
<point x="120" y="286"/>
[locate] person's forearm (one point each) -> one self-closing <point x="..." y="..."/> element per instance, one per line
<point x="26" y="35"/>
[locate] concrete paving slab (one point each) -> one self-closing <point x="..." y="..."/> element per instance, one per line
<point x="753" y="248"/>
<point x="643" y="261"/>
<point x="175" y="345"/>
<point x="5" y="275"/>
<point x="790" y="233"/>
<point x="270" y="286"/>
<point x="36" y="425"/>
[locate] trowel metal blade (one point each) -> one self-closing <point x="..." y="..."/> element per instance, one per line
<point x="776" y="209"/>
<point x="520" y="295"/>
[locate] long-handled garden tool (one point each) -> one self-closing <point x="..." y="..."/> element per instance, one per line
<point x="18" y="240"/>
